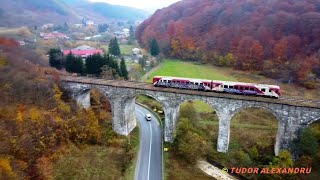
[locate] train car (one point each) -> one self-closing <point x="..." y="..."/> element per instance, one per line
<point x="218" y="86"/>
<point x="182" y="83"/>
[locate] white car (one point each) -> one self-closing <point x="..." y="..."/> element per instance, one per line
<point x="148" y="117"/>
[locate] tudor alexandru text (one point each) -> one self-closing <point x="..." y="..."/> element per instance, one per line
<point x="255" y="170"/>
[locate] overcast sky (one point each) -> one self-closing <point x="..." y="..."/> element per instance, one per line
<point x="140" y="4"/>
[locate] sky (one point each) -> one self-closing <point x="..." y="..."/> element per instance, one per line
<point x="140" y="4"/>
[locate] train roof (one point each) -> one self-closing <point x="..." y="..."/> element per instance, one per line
<point x="219" y="81"/>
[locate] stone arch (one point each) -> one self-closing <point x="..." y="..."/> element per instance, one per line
<point x="204" y="100"/>
<point x="102" y="91"/>
<point x="209" y="117"/>
<point x="211" y="104"/>
<point x="151" y="96"/>
<point x="275" y="115"/>
<point x="155" y="98"/>
<point x="237" y="110"/>
<point x="311" y="121"/>
<point x="105" y="95"/>
<point x="82" y="97"/>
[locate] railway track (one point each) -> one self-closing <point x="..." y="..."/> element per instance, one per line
<point x="293" y="99"/>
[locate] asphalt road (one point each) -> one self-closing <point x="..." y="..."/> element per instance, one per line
<point x="149" y="164"/>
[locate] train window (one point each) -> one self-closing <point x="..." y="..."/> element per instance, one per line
<point x="270" y="90"/>
<point x="165" y="80"/>
<point x="169" y="81"/>
<point x="201" y="83"/>
<point x="225" y="86"/>
<point x="246" y="88"/>
<point x="196" y="83"/>
<point x="231" y="87"/>
<point x="241" y="88"/>
<point x="251" y="89"/>
<point x="236" y="87"/>
<point x="263" y="90"/>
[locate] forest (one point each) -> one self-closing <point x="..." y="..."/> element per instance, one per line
<point x="276" y="38"/>
<point x="40" y="124"/>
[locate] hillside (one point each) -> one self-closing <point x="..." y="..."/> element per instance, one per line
<point x="43" y="132"/>
<point x="15" y="13"/>
<point x="109" y="11"/>
<point x="275" y="38"/>
<point x="33" y="12"/>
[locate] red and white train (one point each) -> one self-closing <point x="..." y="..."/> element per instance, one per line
<point x="218" y="86"/>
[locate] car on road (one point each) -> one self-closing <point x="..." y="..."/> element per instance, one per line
<point x="148" y="117"/>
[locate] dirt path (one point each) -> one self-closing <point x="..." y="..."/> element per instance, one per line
<point x="214" y="171"/>
<point x="146" y="76"/>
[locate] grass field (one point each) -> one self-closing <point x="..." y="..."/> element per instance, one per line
<point x="175" y="67"/>
<point x="125" y="49"/>
<point x="9" y="31"/>
<point x="172" y="67"/>
<point x="21" y="31"/>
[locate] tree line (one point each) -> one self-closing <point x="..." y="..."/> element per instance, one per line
<point x="279" y="40"/>
<point x="99" y="65"/>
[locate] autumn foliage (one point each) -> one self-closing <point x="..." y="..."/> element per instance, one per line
<point x="279" y="38"/>
<point x="38" y="121"/>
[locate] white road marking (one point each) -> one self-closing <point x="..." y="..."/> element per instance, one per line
<point x="150" y="145"/>
<point x="139" y="111"/>
<point x="150" y="150"/>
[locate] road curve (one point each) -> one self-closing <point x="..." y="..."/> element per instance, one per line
<point x="149" y="164"/>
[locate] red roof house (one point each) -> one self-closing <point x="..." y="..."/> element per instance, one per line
<point x="83" y="53"/>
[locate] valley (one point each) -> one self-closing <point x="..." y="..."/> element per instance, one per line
<point x="48" y="131"/>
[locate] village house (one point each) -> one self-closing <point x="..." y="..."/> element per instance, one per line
<point x="126" y="32"/>
<point x="54" y="35"/>
<point x="22" y="43"/>
<point x="83" y="51"/>
<point x="89" y="23"/>
<point x="118" y="34"/>
<point x="124" y="41"/>
<point x="47" y="26"/>
<point x="78" y="25"/>
<point x="136" y="51"/>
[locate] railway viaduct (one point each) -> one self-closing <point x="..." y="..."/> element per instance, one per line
<point x="292" y="116"/>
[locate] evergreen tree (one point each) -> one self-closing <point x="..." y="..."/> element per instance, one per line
<point x="102" y="28"/>
<point x="114" y="65"/>
<point x="74" y="64"/>
<point x="114" y="47"/>
<point x="94" y="63"/>
<point x="69" y="62"/>
<point x="131" y="36"/>
<point x="65" y="27"/>
<point x="154" y="47"/>
<point x="123" y="69"/>
<point x="56" y="58"/>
